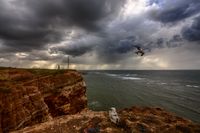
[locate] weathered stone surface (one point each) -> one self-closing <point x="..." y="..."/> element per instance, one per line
<point x="30" y="98"/>
<point x="133" y="120"/>
<point x="69" y="98"/>
<point x="21" y="107"/>
<point x="32" y="102"/>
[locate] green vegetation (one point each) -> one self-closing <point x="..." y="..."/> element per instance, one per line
<point x="4" y="68"/>
<point x="38" y="71"/>
<point x="45" y="72"/>
<point x="10" y="77"/>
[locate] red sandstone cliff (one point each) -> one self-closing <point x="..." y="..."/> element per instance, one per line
<point x="21" y="107"/>
<point x="28" y="98"/>
<point x="31" y="100"/>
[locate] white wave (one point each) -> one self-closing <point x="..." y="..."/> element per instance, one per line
<point x="95" y="103"/>
<point x="130" y="75"/>
<point x="124" y="77"/>
<point x="131" y="78"/>
<point x="192" y="86"/>
<point x="189" y="85"/>
<point x="112" y="75"/>
<point x="163" y="83"/>
<point x="195" y="86"/>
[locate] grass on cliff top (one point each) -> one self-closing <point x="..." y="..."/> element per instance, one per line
<point x="44" y="72"/>
<point x="11" y="75"/>
<point x="38" y="71"/>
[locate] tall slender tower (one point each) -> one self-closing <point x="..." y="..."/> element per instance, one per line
<point x="58" y="67"/>
<point x="68" y="62"/>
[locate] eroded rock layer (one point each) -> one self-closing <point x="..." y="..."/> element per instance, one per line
<point x="68" y="99"/>
<point x="31" y="100"/>
<point x="30" y="97"/>
<point x="23" y="106"/>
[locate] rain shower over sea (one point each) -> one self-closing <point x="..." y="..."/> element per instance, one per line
<point x="177" y="91"/>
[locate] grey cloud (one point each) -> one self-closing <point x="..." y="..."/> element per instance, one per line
<point x="175" y="41"/>
<point x="151" y="2"/>
<point x="113" y="44"/>
<point x="117" y="48"/>
<point x="121" y="46"/>
<point x="83" y="13"/>
<point x="77" y="47"/>
<point x="173" y="11"/>
<point x="78" y="27"/>
<point x="73" y="50"/>
<point x="33" y="24"/>
<point x="192" y="33"/>
<point x="159" y="43"/>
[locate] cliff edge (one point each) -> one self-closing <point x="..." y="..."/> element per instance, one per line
<point x="54" y="101"/>
<point x="133" y="120"/>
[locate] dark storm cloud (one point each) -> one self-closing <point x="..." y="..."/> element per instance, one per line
<point x="31" y="24"/>
<point x="73" y="50"/>
<point x="170" y="11"/>
<point x="114" y="43"/>
<point x="122" y="46"/>
<point x="160" y="43"/>
<point x="80" y="45"/>
<point x="192" y="33"/>
<point x="83" y="13"/>
<point x="77" y="50"/>
<point x="175" y="41"/>
<point x="117" y="47"/>
<point x="109" y="49"/>
<point x="19" y="30"/>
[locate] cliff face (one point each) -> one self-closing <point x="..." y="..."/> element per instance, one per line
<point x="21" y="107"/>
<point x="67" y="98"/>
<point x="31" y="100"/>
<point x="28" y="98"/>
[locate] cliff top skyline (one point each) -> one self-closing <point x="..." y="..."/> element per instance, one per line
<point x="100" y="34"/>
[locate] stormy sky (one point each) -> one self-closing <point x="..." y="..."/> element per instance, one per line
<point x="100" y="34"/>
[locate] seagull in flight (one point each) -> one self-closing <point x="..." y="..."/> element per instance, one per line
<point x="140" y="50"/>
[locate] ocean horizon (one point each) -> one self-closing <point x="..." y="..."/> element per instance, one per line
<point x="177" y="91"/>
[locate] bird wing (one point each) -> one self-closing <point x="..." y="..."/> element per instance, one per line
<point x="138" y="48"/>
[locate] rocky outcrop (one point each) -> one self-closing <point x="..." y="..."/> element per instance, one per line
<point x="68" y="95"/>
<point x="31" y="100"/>
<point x="21" y="107"/>
<point x="133" y="120"/>
<point x="28" y="98"/>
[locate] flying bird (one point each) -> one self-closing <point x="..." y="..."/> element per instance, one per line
<point x="140" y="50"/>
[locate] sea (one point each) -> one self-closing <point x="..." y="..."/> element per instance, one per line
<point x="177" y="91"/>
